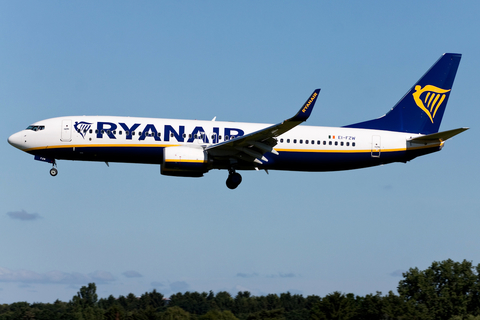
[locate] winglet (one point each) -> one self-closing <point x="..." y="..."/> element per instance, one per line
<point x="306" y="109"/>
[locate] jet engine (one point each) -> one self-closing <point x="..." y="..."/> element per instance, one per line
<point x="184" y="162"/>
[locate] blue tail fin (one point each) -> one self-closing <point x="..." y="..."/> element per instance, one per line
<point x="421" y="109"/>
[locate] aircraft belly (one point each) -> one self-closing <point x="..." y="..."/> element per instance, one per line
<point x="330" y="161"/>
<point x="137" y="154"/>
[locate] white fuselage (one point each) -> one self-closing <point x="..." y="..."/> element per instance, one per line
<point x="142" y="140"/>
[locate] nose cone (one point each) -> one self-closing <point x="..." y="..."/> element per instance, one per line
<point x="17" y="140"/>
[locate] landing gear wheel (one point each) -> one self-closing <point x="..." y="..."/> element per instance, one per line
<point x="233" y="180"/>
<point x="53" y="172"/>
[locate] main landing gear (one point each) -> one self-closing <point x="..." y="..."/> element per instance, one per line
<point x="54" y="171"/>
<point x="234" y="179"/>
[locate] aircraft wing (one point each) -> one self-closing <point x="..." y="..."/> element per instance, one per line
<point x="253" y="146"/>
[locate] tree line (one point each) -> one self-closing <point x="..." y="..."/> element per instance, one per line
<point x="447" y="290"/>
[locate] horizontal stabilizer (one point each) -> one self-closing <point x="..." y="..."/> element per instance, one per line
<point x="439" y="136"/>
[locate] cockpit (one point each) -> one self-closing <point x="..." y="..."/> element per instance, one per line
<point x="35" y="128"/>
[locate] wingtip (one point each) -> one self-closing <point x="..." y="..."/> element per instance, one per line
<point x="306" y="109"/>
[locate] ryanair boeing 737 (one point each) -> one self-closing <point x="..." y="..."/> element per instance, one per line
<point x="190" y="148"/>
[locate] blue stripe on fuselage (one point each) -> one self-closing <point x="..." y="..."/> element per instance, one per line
<point x="286" y="160"/>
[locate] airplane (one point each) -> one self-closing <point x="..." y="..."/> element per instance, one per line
<point x="190" y="148"/>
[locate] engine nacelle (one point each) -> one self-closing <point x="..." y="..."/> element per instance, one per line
<point x="184" y="162"/>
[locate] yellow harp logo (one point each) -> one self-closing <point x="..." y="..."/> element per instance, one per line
<point x="429" y="99"/>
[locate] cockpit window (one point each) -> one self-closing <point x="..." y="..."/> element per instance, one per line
<point x="35" y="128"/>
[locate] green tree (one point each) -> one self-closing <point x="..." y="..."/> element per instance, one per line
<point x="114" y="312"/>
<point x="244" y="304"/>
<point x="85" y="303"/>
<point x="276" y="314"/>
<point x="218" y="315"/>
<point x="86" y="297"/>
<point x="370" y="307"/>
<point x="335" y="306"/>
<point x="152" y="299"/>
<point x="175" y="313"/>
<point x="224" y="300"/>
<point x="443" y="290"/>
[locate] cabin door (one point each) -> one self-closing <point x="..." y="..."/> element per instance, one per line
<point x="66" y="131"/>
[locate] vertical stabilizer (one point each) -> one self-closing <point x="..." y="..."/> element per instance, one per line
<point x="421" y="109"/>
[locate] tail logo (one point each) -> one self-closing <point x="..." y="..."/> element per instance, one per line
<point x="429" y="99"/>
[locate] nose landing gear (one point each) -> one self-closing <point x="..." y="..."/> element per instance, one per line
<point x="234" y="179"/>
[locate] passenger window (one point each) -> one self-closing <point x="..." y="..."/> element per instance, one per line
<point x="120" y="132"/>
<point x="226" y="138"/>
<point x="336" y="143"/>
<point x="353" y="144"/>
<point x="219" y="137"/>
<point x="288" y="140"/>
<point x="341" y="143"/>
<point x="306" y="141"/>
<point x="301" y="141"/>
<point x="90" y="131"/>
<point x="324" y="142"/>
<point x="281" y="140"/>
<point x="133" y="133"/>
<point x="329" y="143"/>
<point x="294" y="140"/>
<point x="348" y="144"/>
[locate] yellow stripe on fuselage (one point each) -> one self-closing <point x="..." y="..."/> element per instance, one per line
<point x="277" y="149"/>
<point x="183" y="160"/>
<point x="357" y="151"/>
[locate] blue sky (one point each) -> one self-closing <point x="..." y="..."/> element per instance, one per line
<point x="129" y="229"/>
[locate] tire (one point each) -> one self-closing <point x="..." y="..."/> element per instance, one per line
<point x="53" y="172"/>
<point x="234" y="180"/>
